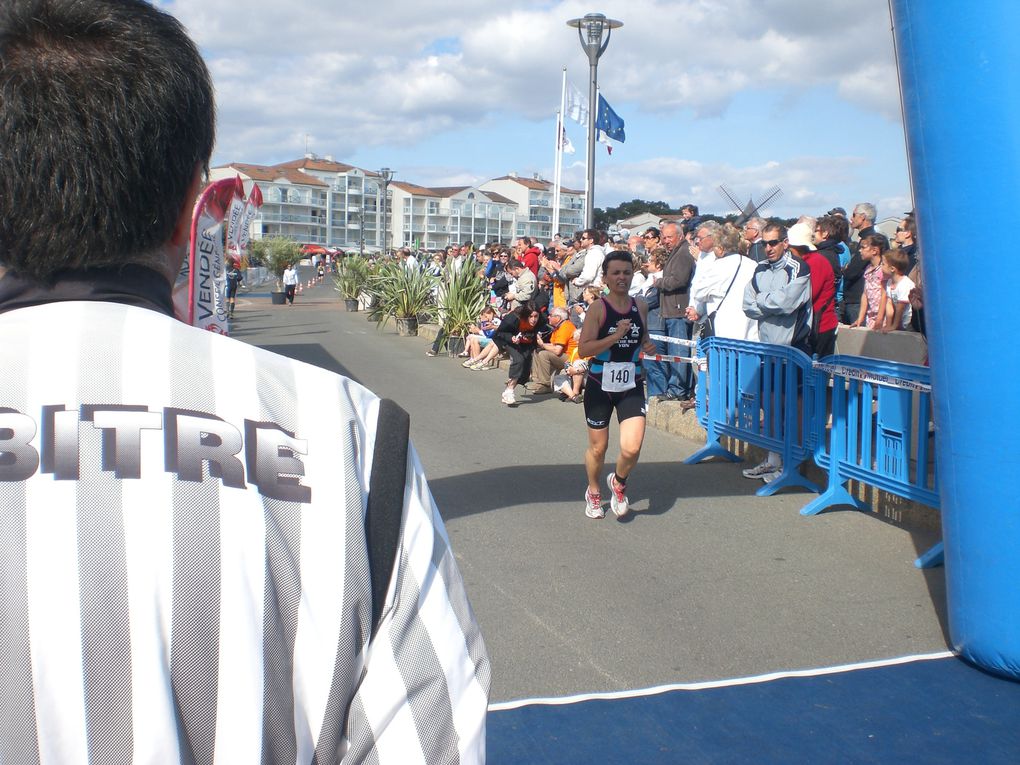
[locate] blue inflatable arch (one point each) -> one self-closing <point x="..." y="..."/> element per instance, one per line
<point x="959" y="65"/>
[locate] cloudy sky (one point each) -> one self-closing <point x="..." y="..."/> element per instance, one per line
<point x="745" y="93"/>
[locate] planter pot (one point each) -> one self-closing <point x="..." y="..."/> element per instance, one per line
<point x="278" y="298"/>
<point x="351" y="305"/>
<point x="455" y="344"/>
<point x="407" y="326"/>
<point x="373" y="316"/>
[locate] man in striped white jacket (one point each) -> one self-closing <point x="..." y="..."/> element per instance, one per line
<point x="186" y="568"/>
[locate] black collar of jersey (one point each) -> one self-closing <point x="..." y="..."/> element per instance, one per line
<point x="130" y="284"/>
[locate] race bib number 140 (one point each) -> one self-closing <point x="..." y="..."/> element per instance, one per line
<point x="617" y="376"/>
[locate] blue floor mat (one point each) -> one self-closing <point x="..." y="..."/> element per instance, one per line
<point x="928" y="710"/>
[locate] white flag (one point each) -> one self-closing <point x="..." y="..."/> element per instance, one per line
<point x="577" y="105"/>
<point x="565" y="145"/>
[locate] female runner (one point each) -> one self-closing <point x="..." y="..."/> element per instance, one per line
<point x="614" y="333"/>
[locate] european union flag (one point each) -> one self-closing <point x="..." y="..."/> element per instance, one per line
<point x="609" y="122"/>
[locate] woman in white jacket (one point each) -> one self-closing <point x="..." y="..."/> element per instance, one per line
<point x="717" y="289"/>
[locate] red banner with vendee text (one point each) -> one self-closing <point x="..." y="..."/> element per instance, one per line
<point x="200" y="290"/>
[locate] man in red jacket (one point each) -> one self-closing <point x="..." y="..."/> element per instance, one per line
<point x="528" y="253"/>
<point x="823" y="290"/>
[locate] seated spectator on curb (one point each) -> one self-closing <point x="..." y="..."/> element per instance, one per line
<point x="551" y="355"/>
<point x="516" y="336"/>
<point x="569" y="383"/>
<point x="487" y="359"/>
<point x="480" y="335"/>
<point x="873" y="300"/>
<point x="897" y="289"/>
<point x="823" y="290"/>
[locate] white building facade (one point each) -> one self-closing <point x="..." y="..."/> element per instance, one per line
<point x="433" y="218"/>
<point x="315" y="201"/>
<point x="534" y="198"/>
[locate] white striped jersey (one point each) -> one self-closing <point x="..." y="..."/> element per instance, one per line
<point x="184" y="572"/>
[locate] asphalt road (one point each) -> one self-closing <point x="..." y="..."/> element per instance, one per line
<point x="705" y="581"/>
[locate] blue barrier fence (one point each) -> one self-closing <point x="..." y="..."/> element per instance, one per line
<point x="860" y="419"/>
<point x="745" y="393"/>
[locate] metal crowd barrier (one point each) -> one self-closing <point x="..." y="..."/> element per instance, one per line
<point x="879" y="434"/>
<point x="762" y="394"/>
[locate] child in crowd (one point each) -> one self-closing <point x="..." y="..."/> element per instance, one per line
<point x="895" y="265"/>
<point x="578" y="310"/>
<point x="481" y="335"/>
<point x="872" y="248"/>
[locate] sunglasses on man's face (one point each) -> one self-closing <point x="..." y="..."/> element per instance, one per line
<point x="771" y="242"/>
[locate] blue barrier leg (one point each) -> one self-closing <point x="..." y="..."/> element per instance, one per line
<point x="933" y="558"/>
<point x="713" y="449"/>
<point x="958" y="67"/>
<point x="711" y="410"/>
<point x="834" y="495"/>
<point x="790" y="476"/>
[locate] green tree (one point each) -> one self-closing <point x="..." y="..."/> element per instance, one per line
<point x="276" y="253"/>
<point x="604" y="218"/>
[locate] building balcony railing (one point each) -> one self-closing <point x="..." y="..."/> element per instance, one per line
<point x="292" y="218"/>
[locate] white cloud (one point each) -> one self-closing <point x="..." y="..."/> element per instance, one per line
<point x="395" y="74"/>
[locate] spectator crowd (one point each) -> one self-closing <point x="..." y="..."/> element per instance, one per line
<point x="760" y="281"/>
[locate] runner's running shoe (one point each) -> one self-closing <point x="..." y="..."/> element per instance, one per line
<point x="618" y="501"/>
<point x="593" y="504"/>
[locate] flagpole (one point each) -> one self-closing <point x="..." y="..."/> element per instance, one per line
<point x="558" y="164"/>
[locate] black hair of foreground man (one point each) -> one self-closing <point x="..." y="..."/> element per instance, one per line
<point x="104" y="124"/>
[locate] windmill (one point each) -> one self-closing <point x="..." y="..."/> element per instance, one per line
<point x="752" y="208"/>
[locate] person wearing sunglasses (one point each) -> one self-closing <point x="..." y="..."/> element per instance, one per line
<point x="584" y="269"/>
<point x="778" y="297"/>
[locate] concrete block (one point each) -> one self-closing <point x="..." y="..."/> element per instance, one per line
<point x="905" y="347"/>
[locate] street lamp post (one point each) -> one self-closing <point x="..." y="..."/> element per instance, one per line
<point x="589" y="31"/>
<point x="387" y="175"/>
<point x="361" y="233"/>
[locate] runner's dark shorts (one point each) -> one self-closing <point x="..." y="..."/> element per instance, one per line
<point x="599" y="405"/>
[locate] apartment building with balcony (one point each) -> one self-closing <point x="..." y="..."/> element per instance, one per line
<point x="317" y="200"/>
<point x="314" y="200"/>
<point x="432" y="218"/>
<point x="534" y="198"/>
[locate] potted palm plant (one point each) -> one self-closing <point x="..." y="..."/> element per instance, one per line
<point x="351" y="279"/>
<point x="402" y="294"/>
<point x="276" y="253"/>
<point x="462" y="296"/>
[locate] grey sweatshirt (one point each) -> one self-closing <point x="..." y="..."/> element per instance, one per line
<point x="779" y="298"/>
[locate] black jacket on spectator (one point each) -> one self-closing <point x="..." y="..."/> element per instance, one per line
<point x="830" y="249"/>
<point x="509" y="326"/>
<point x="853" y="278"/>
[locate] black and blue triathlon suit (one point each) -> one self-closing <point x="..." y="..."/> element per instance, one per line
<point x="624" y="370"/>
